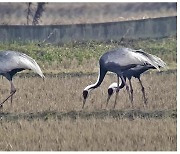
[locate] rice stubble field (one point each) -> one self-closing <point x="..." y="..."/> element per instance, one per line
<point x="47" y="115"/>
<point x="22" y="130"/>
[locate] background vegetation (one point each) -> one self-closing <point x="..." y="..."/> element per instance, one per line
<point x="83" y="56"/>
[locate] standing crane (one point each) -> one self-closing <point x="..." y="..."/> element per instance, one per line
<point x="118" y="61"/>
<point x="132" y="72"/>
<point x="12" y="62"/>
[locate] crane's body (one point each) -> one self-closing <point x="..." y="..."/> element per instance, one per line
<point x="12" y="62"/>
<point x="137" y="71"/>
<point x="122" y="59"/>
<point x="118" y="61"/>
<point x="132" y="72"/>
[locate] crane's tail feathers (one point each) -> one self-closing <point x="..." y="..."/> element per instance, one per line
<point x="159" y="62"/>
<point x="30" y="63"/>
<point x="146" y="58"/>
<point x="153" y="60"/>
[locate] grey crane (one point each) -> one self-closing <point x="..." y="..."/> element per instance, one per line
<point x="132" y="72"/>
<point x="119" y="60"/>
<point x="12" y="62"/>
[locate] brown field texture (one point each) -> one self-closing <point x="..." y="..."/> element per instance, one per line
<point x="47" y="115"/>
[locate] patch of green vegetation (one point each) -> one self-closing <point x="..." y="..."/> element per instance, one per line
<point x="165" y="48"/>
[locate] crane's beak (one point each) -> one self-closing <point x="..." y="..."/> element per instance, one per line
<point x="85" y="95"/>
<point x="43" y="77"/>
<point x="84" y="101"/>
<point x="109" y="96"/>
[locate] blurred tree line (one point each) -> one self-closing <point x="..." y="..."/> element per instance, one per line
<point x="34" y="13"/>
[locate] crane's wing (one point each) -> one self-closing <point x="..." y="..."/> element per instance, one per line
<point x="154" y="58"/>
<point x="30" y="63"/>
<point x="14" y="60"/>
<point x="126" y="58"/>
<point x="159" y="61"/>
<point x="140" y="57"/>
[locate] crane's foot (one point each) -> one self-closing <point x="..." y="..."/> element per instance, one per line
<point x="115" y="102"/>
<point x="11" y="95"/>
<point x="11" y="101"/>
<point x="145" y="101"/>
<point x="107" y="101"/>
<point x="114" y="106"/>
<point x="132" y="106"/>
<point x="1" y="107"/>
<point x="131" y="99"/>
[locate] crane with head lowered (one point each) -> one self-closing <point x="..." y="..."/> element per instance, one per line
<point x="12" y="62"/>
<point x="132" y="72"/>
<point x="118" y="61"/>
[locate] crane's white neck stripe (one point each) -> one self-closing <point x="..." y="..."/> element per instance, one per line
<point x="92" y="85"/>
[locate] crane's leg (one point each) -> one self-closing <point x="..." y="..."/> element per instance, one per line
<point x="127" y="87"/>
<point x="107" y="101"/>
<point x="131" y="90"/>
<point x="143" y="91"/>
<point x="117" y="91"/>
<point x="13" y="90"/>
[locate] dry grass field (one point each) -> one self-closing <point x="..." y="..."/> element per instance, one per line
<point x="47" y="115"/>
<point x="107" y="134"/>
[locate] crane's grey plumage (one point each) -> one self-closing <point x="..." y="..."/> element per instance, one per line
<point x="135" y="72"/>
<point x="118" y="61"/>
<point x="132" y="72"/>
<point x="12" y="62"/>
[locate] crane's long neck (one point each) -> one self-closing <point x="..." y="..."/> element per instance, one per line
<point x="147" y="67"/>
<point x="102" y="73"/>
<point x="122" y="83"/>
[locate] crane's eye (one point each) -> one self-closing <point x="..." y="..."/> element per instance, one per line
<point x="110" y="91"/>
<point x="85" y="94"/>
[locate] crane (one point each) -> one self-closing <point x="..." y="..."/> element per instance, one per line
<point x="132" y="72"/>
<point x="12" y="62"/>
<point x="119" y="60"/>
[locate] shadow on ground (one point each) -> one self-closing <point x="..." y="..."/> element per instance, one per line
<point x="99" y="114"/>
